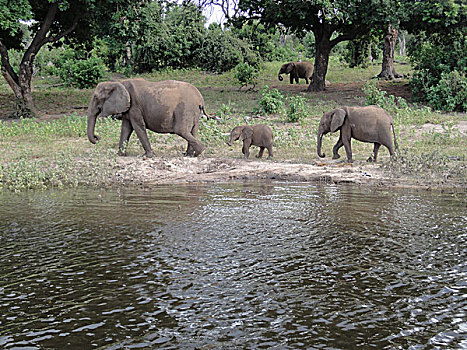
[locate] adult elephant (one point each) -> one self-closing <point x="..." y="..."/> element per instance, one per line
<point x="297" y="70"/>
<point x="169" y="106"/>
<point x="368" y="124"/>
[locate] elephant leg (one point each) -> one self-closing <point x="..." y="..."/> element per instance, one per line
<point x="291" y="78"/>
<point x="348" y="150"/>
<point x="195" y="147"/>
<point x="138" y="124"/>
<point x="390" y="148"/>
<point x="346" y="138"/>
<point x="270" y="155"/>
<point x="337" y="146"/>
<point x="246" y="148"/>
<point x="307" y="81"/>
<point x="125" y="134"/>
<point x="260" y="154"/>
<point x="375" y="153"/>
<point x="296" y="80"/>
<point x="190" y="151"/>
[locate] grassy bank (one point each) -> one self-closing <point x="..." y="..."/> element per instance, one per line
<point x="53" y="151"/>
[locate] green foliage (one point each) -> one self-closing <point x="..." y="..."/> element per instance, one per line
<point x="396" y="106"/>
<point x="271" y="101"/>
<point x="167" y="37"/>
<point x="450" y="94"/>
<point x="76" y="68"/>
<point x="222" y="51"/>
<point x="11" y="29"/>
<point x="84" y="73"/>
<point x="246" y="74"/>
<point x="357" y="52"/>
<point x="297" y="109"/>
<point x="440" y="59"/>
<point x="375" y="96"/>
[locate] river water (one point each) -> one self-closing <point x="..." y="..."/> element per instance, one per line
<point x="235" y="266"/>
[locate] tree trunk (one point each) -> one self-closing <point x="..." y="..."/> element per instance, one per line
<point x="20" y="82"/>
<point x="387" y="70"/>
<point x="323" y="49"/>
<point x="401" y="43"/>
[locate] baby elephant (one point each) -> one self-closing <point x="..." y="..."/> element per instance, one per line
<point x="258" y="135"/>
<point x="368" y="124"/>
<point x="303" y="70"/>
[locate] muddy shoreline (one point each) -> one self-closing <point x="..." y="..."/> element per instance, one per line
<point x="207" y="170"/>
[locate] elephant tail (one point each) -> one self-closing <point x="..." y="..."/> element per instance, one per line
<point x="394" y="134"/>
<point x="205" y="114"/>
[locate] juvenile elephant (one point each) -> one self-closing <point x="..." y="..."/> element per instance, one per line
<point x="258" y="135"/>
<point x="368" y="124"/>
<point x="297" y="70"/>
<point x="165" y="107"/>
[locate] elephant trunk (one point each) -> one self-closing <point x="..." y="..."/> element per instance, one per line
<point x="92" y="116"/>
<point x="230" y="142"/>
<point x="279" y="76"/>
<point x="318" y="147"/>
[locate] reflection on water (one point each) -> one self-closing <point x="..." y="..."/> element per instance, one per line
<point x="233" y="266"/>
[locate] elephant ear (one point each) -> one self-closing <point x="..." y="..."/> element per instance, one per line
<point x="116" y="99"/>
<point x="337" y="119"/>
<point x="290" y="67"/>
<point x="247" y="133"/>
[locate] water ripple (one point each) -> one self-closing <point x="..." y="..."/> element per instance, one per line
<point x="233" y="266"/>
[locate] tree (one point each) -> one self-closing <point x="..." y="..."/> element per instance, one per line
<point x="229" y="8"/>
<point x="331" y="22"/>
<point x="48" y="22"/>
<point x="438" y="52"/>
<point x="388" y="72"/>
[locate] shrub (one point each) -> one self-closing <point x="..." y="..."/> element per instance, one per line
<point x="297" y="108"/>
<point x="272" y="101"/>
<point x="82" y="73"/>
<point x="75" y="67"/>
<point x="246" y="74"/>
<point x="375" y="96"/>
<point x="222" y="51"/>
<point x="438" y="60"/>
<point x="450" y="94"/>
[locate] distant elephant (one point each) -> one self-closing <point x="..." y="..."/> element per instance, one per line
<point x="170" y="106"/>
<point x="297" y="70"/>
<point x="368" y="124"/>
<point x="258" y="135"/>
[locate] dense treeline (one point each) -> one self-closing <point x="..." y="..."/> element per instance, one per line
<point x="79" y="40"/>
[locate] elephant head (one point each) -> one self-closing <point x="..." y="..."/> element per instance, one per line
<point x="286" y="68"/>
<point x="330" y="122"/>
<point x="109" y="98"/>
<point x="240" y="133"/>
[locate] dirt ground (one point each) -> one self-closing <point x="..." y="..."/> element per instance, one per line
<point x="179" y="170"/>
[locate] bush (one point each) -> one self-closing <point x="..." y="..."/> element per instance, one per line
<point x="272" y="101"/>
<point x="246" y="74"/>
<point x="450" y="94"/>
<point x="297" y="108"/>
<point x="440" y="59"/>
<point x="75" y="67"/>
<point x="82" y="74"/>
<point x="167" y="36"/>
<point x="222" y="51"/>
<point x="375" y="96"/>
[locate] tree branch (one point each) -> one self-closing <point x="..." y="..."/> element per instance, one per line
<point x="343" y="37"/>
<point x="37" y="42"/>
<point x="64" y="33"/>
<point x="6" y="63"/>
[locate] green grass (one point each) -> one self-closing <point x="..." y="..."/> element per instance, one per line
<point x="55" y="152"/>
